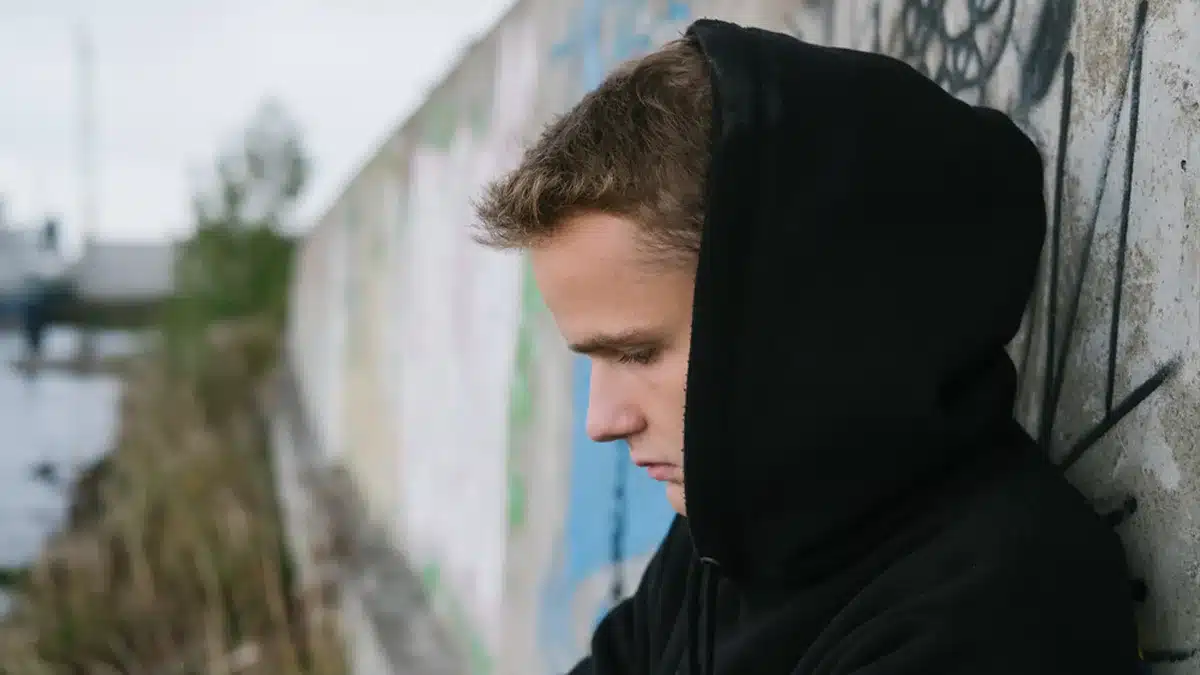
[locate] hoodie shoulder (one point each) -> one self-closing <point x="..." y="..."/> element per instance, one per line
<point x="1028" y="580"/>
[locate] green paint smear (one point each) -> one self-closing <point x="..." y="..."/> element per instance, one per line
<point x="520" y="413"/>
<point x="431" y="578"/>
<point x="480" y="660"/>
<point x="531" y="298"/>
<point x="521" y="402"/>
<point x="517" y="503"/>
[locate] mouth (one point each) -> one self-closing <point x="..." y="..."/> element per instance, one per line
<point x="660" y="471"/>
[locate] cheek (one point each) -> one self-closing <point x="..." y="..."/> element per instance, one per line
<point x="667" y="384"/>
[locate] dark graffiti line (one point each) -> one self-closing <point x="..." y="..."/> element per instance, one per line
<point x="1110" y="419"/>
<point x="617" y="590"/>
<point x="1060" y="172"/>
<point x="1135" y="94"/>
<point x="1045" y="52"/>
<point x="1167" y="655"/>
<point x="1058" y="375"/>
<point x="963" y="63"/>
<point x="877" y="40"/>
<point x="1056" y="363"/>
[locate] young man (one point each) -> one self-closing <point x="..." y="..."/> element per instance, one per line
<point x="795" y="270"/>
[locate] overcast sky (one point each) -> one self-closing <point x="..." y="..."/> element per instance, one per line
<point x="176" y="79"/>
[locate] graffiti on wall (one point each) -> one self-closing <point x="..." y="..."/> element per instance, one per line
<point x="1056" y="353"/>
<point x="960" y="44"/>
<point x="600" y="35"/>
<point x="963" y="55"/>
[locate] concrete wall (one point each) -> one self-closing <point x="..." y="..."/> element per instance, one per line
<point x="431" y="372"/>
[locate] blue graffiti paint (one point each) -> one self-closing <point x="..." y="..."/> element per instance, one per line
<point x="633" y="33"/>
<point x="583" y="42"/>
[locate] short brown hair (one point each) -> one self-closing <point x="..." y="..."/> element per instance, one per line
<point x="637" y="146"/>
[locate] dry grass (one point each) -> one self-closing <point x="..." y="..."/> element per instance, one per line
<point x="178" y="567"/>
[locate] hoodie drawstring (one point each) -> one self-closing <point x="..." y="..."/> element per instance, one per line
<point x="695" y="607"/>
<point x="708" y="607"/>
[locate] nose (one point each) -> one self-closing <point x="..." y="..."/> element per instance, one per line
<point x="611" y="416"/>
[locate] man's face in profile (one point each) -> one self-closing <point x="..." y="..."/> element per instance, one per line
<point x="632" y="317"/>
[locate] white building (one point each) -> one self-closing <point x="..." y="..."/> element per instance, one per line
<point x="124" y="271"/>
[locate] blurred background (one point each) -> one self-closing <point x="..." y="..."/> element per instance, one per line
<point x="265" y="408"/>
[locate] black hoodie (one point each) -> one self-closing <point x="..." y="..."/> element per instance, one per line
<point x="860" y="498"/>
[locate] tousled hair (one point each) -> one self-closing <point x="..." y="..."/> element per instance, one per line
<point x="637" y="146"/>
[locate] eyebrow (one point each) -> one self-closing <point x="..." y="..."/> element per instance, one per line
<point x="623" y="340"/>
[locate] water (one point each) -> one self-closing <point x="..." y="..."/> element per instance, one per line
<point x="58" y="421"/>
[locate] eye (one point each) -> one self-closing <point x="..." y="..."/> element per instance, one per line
<point x="643" y="357"/>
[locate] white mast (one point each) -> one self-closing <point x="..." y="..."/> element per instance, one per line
<point x="88" y="196"/>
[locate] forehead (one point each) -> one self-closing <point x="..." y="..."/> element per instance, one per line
<point x="595" y="277"/>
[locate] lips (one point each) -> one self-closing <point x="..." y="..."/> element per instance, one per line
<point x="660" y="471"/>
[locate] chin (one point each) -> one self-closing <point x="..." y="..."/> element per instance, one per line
<point x="676" y="498"/>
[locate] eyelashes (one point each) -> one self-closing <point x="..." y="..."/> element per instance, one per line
<point x="641" y="358"/>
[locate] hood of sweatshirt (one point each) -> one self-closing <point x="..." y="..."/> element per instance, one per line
<point x="869" y="246"/>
